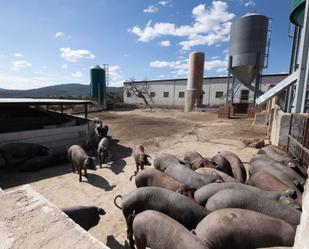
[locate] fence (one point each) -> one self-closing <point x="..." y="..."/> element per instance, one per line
<point x="298" y="141"/>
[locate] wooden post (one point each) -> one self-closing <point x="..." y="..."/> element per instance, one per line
<point x="289" y="135"/>
<point x="61" y="108"/>
<point x="86" y="111"/>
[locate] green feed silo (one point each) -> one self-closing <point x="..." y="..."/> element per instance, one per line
<point x="98" y="84"/>
<point x="297" y="12"/>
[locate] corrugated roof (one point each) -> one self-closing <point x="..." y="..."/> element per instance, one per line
<point x="205" y="78"/>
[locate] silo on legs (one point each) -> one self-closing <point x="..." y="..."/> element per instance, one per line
<point x="194" y="94"/>
<point x="248" y="41"/>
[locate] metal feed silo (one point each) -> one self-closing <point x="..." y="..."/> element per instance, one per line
<point x="297" y="12"/>
<point x="247" y="47"/>
<point x="98" y="84"/>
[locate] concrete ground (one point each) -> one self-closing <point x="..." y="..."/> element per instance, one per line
<point x="169" y="131"/>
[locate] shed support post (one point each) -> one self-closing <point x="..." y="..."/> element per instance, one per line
<point x="86" y="111"/>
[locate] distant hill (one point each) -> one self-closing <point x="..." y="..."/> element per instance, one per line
<point x="54" y="91"/>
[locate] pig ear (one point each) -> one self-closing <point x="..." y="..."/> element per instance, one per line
<point x="179" y="191"/>
<point x="148" y="156"/>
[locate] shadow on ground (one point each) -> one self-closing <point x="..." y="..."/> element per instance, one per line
<point x="99" y="182"/>
<point x="14" y="179"/>
<point x="118" y="153"/>
<point x="114" y="244"/>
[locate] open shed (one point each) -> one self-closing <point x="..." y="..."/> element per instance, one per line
<point x="31" y="120"/>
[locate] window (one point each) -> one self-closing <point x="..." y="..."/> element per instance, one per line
<point x="244" y="95"/>
<point x="152" y="94"/>
<point x="219" y="94"/>
<point x="165" y="94"/>
<point x="181" y="94"/>
<point x="128" y="94"/>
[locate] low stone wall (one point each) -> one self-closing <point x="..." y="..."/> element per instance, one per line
<point x="280" y="127"/>
<point x="28" y="220"/>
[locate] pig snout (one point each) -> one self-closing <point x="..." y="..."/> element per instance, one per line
<point x="90" y="163"/>
<point x="145" y="159"/>
<point x="101" y="211"/>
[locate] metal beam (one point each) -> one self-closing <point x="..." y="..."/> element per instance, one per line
<point x="252" y="88"/>
<point x="236" y="84"/>
<point x="293" y="67"/>
<point x="230" y="91"/>
<point x="300" y="94"/>
<point x="281" y="86"/>
<point x="227" y="89"/>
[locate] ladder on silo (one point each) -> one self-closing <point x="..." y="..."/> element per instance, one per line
<point x="106" y="68"/>
<point x="266" y="55"/>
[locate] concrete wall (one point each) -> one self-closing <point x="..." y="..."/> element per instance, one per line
<point x="56" y="139"/>
<point x="211" y="85"/>
<point x="28" y="220"/>
<point x="279" y="127"/>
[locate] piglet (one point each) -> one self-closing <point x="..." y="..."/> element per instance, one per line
<point x="85" y="216"/>
<point x="103" y="150"/>
<point x="141" y="159"/>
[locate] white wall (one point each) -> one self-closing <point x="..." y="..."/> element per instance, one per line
<point x="211" y="85"/>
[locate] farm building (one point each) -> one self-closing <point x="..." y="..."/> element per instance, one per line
<point x="172" y="92"/>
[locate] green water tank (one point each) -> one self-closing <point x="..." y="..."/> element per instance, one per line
<point x="98" y="84"/>
<point x="297" y="12"/>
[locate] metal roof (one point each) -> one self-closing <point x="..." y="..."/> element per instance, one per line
<point x="31" y="101"/>
<point x="205" y="78"/>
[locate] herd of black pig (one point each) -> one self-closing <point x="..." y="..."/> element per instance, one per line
<point x="194" y="202"/>
<point x="211" y="203"/>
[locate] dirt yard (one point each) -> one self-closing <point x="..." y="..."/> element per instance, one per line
<point x="169" y="131"/>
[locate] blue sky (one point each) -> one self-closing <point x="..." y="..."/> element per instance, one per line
<point x="56" y="41"/>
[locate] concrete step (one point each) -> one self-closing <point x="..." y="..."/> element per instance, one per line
<point x="28" y="220"/>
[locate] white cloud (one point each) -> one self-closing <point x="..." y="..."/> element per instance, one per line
<point x="41" y="79"/>
<point x="211" y="26"/>
<point x="151" y="9"/>
<point x="77" y="74"/>
<point x="115" y="75"/>
<point x="18" y="55"/>
<point x="215" y="57"/>
<point x="59" y="34"/>
<point x="74" y="55"/>
<point x="166" y="43"/>
<point x="65" y="66"/>
<point x="250" y="3"/>
<point x="20" y="64"/>
<point x="163" y="2"/>
<point x="180" y="66"/>
<point x="217" y="65"/>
